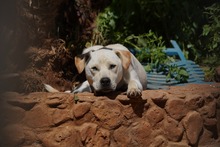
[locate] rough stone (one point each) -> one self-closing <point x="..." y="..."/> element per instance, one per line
<point x="38" y="117"/>
<point x="210" y="121"/>
<point x="81" y="109"/>
<point x="155" y="114"/>
<point x="62" y="136"/>
<point x="178" y="144"/>
<point x="122" y="137"/>
<point x="193" y="125"/>
<point x="59" y="100"/>
<point x="172" y="118"/>
<point x="61" y="116"/>
<point x="194" y="102"/>
<point x="176" y="108"/>
<point x="87" y="131"/>
<point x="209" y="110"/>
<point x="173" y="130"/>
<point x="108" y="112"/>
<point x="140" y="133"/>
<point x="159" y="98"/>
<point x="159" y="141"/>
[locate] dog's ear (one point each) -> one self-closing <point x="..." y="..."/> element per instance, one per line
<point x="125" y="57"/>
<point x="80" y="62"/>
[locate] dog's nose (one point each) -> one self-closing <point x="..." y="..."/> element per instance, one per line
<point x="105" y="82"/>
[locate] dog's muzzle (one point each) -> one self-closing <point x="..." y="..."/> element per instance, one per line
<point x="106" y="84"/>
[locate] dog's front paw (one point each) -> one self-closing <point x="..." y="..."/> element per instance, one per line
<point x="134" y="93"/>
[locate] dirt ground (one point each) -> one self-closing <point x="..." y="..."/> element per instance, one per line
<point x="181" y="116"/>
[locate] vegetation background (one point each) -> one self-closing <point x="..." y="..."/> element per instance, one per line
<point x="39" y="38"/>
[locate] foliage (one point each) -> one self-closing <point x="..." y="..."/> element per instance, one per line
<point x="211" y="41"/>
<point x="150" y="51"/>
<point x="105" y="28"/>
<point x="177" y="20"/>
<point x="211" y="33"/>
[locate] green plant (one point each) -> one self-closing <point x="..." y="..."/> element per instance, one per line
<point x="211" y="41"/>
<point x="105" y="28"/>
<point x="150" y="51"/>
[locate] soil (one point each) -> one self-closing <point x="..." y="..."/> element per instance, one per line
<point x="181" y="116"/>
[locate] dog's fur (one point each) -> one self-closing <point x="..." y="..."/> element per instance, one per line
<point x="109" y="68"/>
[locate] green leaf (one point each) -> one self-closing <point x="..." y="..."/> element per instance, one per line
<point x="206" y="30"/>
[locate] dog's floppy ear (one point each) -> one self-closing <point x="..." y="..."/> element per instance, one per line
<point x="80" y="61"/>
<point x="125" y="57"/>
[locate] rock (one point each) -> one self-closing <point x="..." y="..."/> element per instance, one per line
<point x="210" y="121"/>
<point x="60" y="100"/>
<point x="102" y="138"/>
<point x="159" y="141"/>
<point x="13" y="136"/>
<point x="122" y="137"/>
<point x="209" y="110"/>
<point x="194" y="102"/>
<point x="179" y="117"/>
<point x="16" y="135"/>
<point x="155" y="114"/>
<point x="173" y="130"/>
<point x="176" y="108"/>
<point x="61" y="116"/>
<point x="108" y="112"/>
<point x="177" y="144"/>
<point x="87" y="131"/>
<point x="38" y="117"/>
<point x="91" y="135"/>
<point x="141" y="133"/>
<point x="81" y="109"/>
<point x="193" y="125"/>
<point x="62" y="136"/>
<point x="160" y="99"/>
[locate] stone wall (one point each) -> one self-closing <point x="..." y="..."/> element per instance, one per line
<point x="178" y="117"/>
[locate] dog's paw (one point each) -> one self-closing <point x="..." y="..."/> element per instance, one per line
<point x="134" y="93"/>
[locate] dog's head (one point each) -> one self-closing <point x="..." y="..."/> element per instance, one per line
<point x="104" y="67"/>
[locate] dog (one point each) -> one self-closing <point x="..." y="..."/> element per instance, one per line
<point x="109" y="68"/>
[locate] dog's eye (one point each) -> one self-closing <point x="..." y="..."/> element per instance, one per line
<point x="112" y="66"/>
<point x="94" y="68"/>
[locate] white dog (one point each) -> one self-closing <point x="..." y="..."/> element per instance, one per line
<point x="109" y="68"/>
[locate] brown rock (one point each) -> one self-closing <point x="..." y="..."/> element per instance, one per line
<point x="159" y="141"/>
<point x="61" y="116"/>
<point x="210" y="121"/>
<point x="159" y="98"/>
<point x="138" y="134"/>
<point x="194" y="102"/>
<point x="155" y="114"/>
<point x="209" y="110"/>
<point x="18" y="135"/>
<point x="173" y="130"/>
<point x="102" y="138"/>
<point x="122" y="137"/>
<point x="193" y="125"/>
<point x="81" y="109"/>
<point x="38" y="117"/>
<point x="178" y="144"/>
<point x="91" y="135"/>
<point x="13" y="136"/>
<point x="62" y="136"/>
<point x="208" y="97"/>
<point x="87" y="132"/>
<point x="141" y="133"/>
<point x="108" y="113"/>
<point x="59" y="100"/>
<point x="176" y="108"/>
